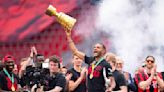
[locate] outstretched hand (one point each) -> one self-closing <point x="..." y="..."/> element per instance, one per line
<point x="68" y="76"/>
<point x="83" y="73"/>
<point x="40" y="89"/>
<point x="33" y="51"/>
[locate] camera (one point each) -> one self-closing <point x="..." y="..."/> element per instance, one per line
<point x="34" y="75"/>
<point x="37" y="74"/>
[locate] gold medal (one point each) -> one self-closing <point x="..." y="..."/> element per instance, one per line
<point x="93" y="66"/>
<point x="12" y="87"/>
<point x="91" y="76"/>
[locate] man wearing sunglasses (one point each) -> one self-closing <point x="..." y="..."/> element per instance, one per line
<point x="148" y="79"/>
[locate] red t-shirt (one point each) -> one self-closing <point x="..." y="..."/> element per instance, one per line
<point x="143" y="76"/>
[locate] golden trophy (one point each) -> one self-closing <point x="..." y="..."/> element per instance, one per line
<point x="65" y="20"/>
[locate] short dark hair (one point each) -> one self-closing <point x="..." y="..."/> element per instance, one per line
<point x="55" y="59"/>
<point x="40" y="57"/>
<point x="103" y="46"/>
<point x="64" y="67"/>
<point x="151" y="57"/>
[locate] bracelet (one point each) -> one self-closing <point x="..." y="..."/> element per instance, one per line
<point x="70" y="41"/>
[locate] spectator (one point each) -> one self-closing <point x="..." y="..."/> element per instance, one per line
<point x="56" y="81"/>
<point x="64" y="69"/>
<point x="77" y="83"/>
<point x="8" y="80"/>
<point x="26" y="62"/>
<point x="15" y="70"/>
<point x="31" y="71"/>
<point x="127" y="75"/>
<point x="148" y="79"/>
<point x="23" y="65"/>
<point x="120" y="80"/>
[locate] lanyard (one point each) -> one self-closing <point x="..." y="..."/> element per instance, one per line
<point x="93" y="66"/>
<point x="10" y="77"/>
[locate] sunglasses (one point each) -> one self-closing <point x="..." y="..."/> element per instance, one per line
<point x="151" y="61"/>
<point x="119" y="63"/>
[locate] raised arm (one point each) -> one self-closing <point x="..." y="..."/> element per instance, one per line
<point x="160" y="82"/>
<point x="27" y="62"/>
<point x="144" y="84"/>
<point x="72" y="46"/>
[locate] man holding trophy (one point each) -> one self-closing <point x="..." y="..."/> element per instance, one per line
<point x="96" y="80"/>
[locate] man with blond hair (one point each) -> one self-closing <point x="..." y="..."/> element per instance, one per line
<point x="121" y="85"/>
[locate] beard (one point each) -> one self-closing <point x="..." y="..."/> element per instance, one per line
<point x="9" y="68"/>
<point x="97" y="54"/>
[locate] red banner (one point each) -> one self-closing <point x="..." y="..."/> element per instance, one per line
<point x="23" y="18"/>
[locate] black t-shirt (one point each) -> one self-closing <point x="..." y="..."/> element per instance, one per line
<point x="34" y="75"/>
<point x="57" y="80"/>
<point x="119" y="79"/>
<point x="97" y="83"/>
<point x="75" y="75"/>
<point x="5" y="82"/>
<point x="162" y="75"/>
